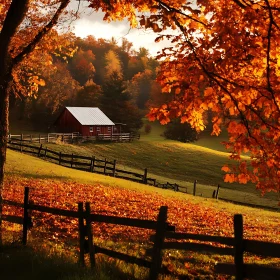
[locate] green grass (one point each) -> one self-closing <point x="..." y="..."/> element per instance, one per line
<point x="175" y="162"/>
<point x="170" y="161"/>
<point x="55" y="262"/>
<point x="38" y="168"/>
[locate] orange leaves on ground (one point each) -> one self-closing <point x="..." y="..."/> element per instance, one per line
<point x="185" y="215"/>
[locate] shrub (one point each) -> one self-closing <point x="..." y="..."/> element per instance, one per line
<point x="182" y="132"/>
<point x="148" y="128"/>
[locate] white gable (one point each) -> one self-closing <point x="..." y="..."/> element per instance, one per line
<point x="89" y="116"/>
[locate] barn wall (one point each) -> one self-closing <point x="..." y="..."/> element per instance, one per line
<point x="66" y="123"/>
<point x="103" y="129"/>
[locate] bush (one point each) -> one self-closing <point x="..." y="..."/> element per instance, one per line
<point x="148" y="128"/>
<point x="182" y="132"/>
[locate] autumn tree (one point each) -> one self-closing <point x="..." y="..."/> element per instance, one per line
<point x="60" y="90"/>
<point x="140" y="88"/>
<point x="89" y="95"/>
<point x="116" y="102"/>
<point x="23" y="25"/>
<point x="81" y="66"/>
<point x="224" y="58"/>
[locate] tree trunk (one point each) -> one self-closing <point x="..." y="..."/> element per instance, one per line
<point x="4" y="130"/>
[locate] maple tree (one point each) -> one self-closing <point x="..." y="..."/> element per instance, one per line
<point x="224" y="58"/>
<point x="23" y="25"/>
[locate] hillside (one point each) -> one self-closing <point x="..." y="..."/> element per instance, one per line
<point x="57" y="186"/>
<point x="171" y="161"/>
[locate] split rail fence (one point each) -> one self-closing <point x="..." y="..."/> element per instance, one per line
<point x="106" y="167"/>
<point x="84" y="163"/>
<point x="236" y="246"/>
<point x="73" y="137"/>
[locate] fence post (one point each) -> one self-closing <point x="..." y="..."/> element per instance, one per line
<point x="238" y="246"/>
<point x="92" y="164"/>
<point x="39" y="138"/>
<point x="214" y="194"/>
<point x="72" y="161"/>
<point x="217" y="192"/>
<point x="20" y="145"/>
<point x="159" y="239"/>
<point x="59" y="161"/>
<point x="48" y="138"/>
<point x="89" y="236"/>
<point x="114" y="168"/>
<point x="145" y="176"/>
<point x="21" y="137"/>
<point x="81" y="233"/>
<point x="25" y="216"/>
<point x="194" y="187"/>
<point x="105" y="164"/>
<point x="39" y="152"/>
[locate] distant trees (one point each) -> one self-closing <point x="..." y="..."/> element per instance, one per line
<point x="87" y="72"/>
<point x="116" y="102"/>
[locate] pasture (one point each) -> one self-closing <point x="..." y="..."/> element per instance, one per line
<point x="175" y="162"/>
<point x="52" y="241"/>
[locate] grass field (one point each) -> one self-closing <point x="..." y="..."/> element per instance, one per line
<point x="175" y="162"/>
<point x="51" y="252"/>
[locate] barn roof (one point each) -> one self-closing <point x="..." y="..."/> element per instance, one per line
<point x="89" y="116"/>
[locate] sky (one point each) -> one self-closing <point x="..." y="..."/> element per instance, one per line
<point x="91" y="23"/>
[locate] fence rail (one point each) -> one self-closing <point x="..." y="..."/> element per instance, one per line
<point x="236" y="246"/>
<point x="72" y="137"/>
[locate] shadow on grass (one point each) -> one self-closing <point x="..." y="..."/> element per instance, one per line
<point x="19" y="263"/>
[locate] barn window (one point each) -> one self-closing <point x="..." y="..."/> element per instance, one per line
<point x="91" y="129"/>
<point x="98" y="128"/>
<point x="109" y="128"/>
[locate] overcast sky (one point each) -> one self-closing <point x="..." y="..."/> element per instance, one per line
<point x="93" y="24"/>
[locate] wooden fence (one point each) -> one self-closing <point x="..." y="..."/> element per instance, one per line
<point x="84" y="163"/>
<point x="106" y="167"/>
<point x="73" y="137"/>
<point x="236" y="246"/>
<point x="86" y="236"/>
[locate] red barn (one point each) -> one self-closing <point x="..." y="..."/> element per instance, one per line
<point x="85" y="120"/>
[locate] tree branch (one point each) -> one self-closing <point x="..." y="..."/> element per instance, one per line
<point x="14" y="17"/>
<point x="29" y="48"/>
<point x="169" y="8"/>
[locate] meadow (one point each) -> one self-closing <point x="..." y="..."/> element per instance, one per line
<point x="176" y="162"/>
<point x="51" y="252"/>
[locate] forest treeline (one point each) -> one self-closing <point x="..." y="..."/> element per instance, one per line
<point x="90" y="72"/>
